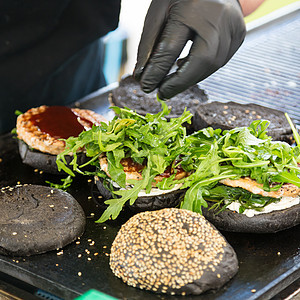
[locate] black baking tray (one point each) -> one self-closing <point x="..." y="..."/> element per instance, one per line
<point x="268" y="263"/>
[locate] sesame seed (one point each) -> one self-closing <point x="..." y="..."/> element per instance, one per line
<point x="79" y="274"/>
<point x="166" y="250"/>
<point x="253" y="290"/>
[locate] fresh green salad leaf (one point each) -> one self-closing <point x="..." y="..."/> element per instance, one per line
<point x="207" y="155"/>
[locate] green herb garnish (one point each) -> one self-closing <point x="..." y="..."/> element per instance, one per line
<point x="208" y="155"/>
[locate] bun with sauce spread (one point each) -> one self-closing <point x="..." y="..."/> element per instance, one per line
<point x="41" y="132"/>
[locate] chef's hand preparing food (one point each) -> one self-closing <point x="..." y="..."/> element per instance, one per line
<point x="216" y="28"/>
<point x="58" y="60"/>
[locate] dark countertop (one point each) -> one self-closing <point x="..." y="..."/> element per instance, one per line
<point x="268" y="263"/>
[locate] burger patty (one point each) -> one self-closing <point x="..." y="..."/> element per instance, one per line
<point x="133" y="170"/>
<point x="286" y="190"/>
<point x="32" y="130"/>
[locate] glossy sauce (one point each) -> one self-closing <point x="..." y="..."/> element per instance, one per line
<point x="59" y="122"/>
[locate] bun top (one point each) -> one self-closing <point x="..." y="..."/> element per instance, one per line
<point x="169" y="249"/>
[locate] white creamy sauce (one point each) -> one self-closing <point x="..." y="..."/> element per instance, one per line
<point x="156" y="191"/>
<point x="153" y="192"/>
<point x="284" y="203"/>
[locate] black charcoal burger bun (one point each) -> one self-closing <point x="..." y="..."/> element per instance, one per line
<point x="35" y="219"/>
<point x="129" y="94"/>
<point x="232" y="114"/>
<point x="44" y="161"/>
<point x="165" y="199"/>
<point x="172" y="251"/>
<point x="271" y="222"/>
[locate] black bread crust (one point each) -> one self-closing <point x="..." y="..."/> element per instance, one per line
<point x="272" y="222"/>
<point x="129" y="94"/>
<point x="35" y="219"/>
<point x="145" y="253"/>
<point x="232" y="114"/>
<point x="145" y="203"/>
<point x="44" y="161"/>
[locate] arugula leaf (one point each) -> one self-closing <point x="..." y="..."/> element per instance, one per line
<point x="295" y="132"/>
<point x="208" y="155"/>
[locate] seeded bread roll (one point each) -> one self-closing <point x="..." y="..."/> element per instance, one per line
<point x="231" y="114"/>
<point x="36" y="219"/>
<point x="172" y="251"/>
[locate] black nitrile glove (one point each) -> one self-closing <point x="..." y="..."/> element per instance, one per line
<point x="216" y="28"/>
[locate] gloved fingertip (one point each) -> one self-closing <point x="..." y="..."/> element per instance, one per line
<point x="147" y="89"/>
<point x="137" y="73"/>
<point x="160" y="96"/>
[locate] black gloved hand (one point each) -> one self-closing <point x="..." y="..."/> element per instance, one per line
<point x="216" y="28"/>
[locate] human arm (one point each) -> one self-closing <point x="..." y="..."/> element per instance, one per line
<point x="249" y="6"/>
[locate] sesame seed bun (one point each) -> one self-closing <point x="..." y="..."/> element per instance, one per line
<point x="172" y="251"/>
<point x="36" y="219"/>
